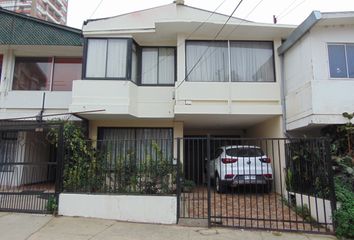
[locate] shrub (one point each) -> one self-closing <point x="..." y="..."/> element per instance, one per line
<point x="344" y="216"/>
<point x="82" y="162"/>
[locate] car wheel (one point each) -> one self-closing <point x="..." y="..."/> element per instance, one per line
<point x="220" y="185"/>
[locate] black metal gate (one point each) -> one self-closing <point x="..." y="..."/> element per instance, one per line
<point x="254" y="183"/>
<point x="30" y="167"/>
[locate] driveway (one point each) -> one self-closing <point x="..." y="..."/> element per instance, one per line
<point x="40" y="227"/>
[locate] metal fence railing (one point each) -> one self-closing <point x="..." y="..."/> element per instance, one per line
<point x="257" y="183"/>
<point x="132" y="166"/>
<point x="28" y="172"/>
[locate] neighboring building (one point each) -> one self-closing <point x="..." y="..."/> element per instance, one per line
<point x="318" y="70"/>
<point x="37" y="56"/>
<point x="55" y="11"/>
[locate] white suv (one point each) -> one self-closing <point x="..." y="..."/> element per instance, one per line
<point x="240" y="165"/>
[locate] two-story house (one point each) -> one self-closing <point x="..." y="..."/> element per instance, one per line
<point x="38" y="62"/>
<point x="318" y="72"/>
<point x="151" y="70"/>
<point x="163" y="73"/>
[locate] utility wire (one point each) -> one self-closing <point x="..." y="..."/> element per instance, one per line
<point x="288" y="12"/>
<point x="216" y="36"/>
<point x="190" y="35"/>
<point x="97" y="7"/>
<point x="286" y="9"/>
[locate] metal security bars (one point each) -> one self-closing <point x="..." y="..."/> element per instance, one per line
<point x="127" y="166"/>
<point x="29" y="169"/>
<point x="269" y="184"/>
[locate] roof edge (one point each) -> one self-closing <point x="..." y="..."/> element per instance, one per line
<point x="300" y="31"/>
<point x="177" y="5"/>
<point x="56" y="25"/>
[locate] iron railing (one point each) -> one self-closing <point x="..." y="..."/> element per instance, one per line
<point x="28" y="171"/>
<point x="257" y="183"/>
<point x="129" y="166"/>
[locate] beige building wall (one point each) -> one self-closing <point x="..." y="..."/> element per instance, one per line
<point x="274" y="147"/>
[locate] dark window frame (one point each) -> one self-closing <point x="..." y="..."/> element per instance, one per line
<point x="51" y="77"/>
<point x="158" y="52"/>
<point x="100" y="130"/>
<point x="128" y="71"/>
<point x="100" y="134"/>
<point x="230" y="41"/>
<point x="129" y="58"/>
<point x="348" y="77"/>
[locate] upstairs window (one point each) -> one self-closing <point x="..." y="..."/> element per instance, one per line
<point x="252" y="62"/>
<point x="207" y="61"/>
<point x="341" y="60"/>
<point x="224" y="61"/>
<point x="158" y="66"/>
<point x="46" y="73"/>
<point x="65" y="71"/>
<point x="107" y="58"/>
<point x="124" y="59"/>
<point x="32" y="73"/>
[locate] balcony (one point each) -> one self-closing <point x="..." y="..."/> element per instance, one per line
<point x="122" y="98"/>
<point x="228" y="98"/>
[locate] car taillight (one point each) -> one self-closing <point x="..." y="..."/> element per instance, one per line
<point x="265" y="160"/>
<point x="229" y="160"/>
<point x="268" y="175"/>
<point x="229" y="176"/>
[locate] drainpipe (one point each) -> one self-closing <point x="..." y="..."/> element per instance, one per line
<point x="282" y="93"/>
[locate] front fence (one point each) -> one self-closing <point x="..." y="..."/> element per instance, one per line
<point x="269" y="184"/>
<point x="28" y="171"/>
<point x="129" y="166"/>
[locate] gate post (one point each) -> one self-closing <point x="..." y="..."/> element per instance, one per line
<point x="60" y="162"/>
<point x="178" y="179"/>
<point x="331" y="180"/>
<point x="208" y="181"/>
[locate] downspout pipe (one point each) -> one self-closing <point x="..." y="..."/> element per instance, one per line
<point x="282" y="96"/>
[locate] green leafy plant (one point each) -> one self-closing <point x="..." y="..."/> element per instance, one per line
<point x="341" y="138"/>
<point x="52" y="205"/>
<point x="349" y="130"/>
<point x="188" y="185"/>
<point x="306" y="168"/>
<point x="344" y="215"/>
<point x="82" y="162"/>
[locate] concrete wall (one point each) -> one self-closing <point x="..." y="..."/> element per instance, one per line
<point x="312" y="96"/>
<point x="146" y="209"/>
<point x="124" y="98"/>
<point x="273" y="148"/>
<point x="321" y="209"/>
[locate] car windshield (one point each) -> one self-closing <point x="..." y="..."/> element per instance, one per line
<point x="244" y="152"/>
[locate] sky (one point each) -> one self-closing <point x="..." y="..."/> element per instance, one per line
<point x="287" y="11"/>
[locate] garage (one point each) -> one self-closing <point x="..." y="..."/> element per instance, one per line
<point x="250" y="179"/>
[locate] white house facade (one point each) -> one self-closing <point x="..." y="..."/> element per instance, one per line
<point x="165" y="92"/>
<point x="151" y="69"/>
<point x="318" y="71"/>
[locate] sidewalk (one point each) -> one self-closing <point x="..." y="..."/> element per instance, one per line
<point x="40" y="227"/>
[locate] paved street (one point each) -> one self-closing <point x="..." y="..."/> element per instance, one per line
<point x="40" y="227"/>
